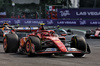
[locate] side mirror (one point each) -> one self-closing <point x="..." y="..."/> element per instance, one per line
<point x="13" y="30"/>
<point x="10" y="27"/>
<point x="63" y="34"/>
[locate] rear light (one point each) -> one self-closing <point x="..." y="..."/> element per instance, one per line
<point x="13" y="30"/>
<point x="3" y="35"/>
<point x="63" y="34"/>
<point x="6" y="31"/>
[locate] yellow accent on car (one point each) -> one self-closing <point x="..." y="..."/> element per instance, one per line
<point x="42" y="24"/>
<point x="75" y="42"/>
<point x="57" y="41"/>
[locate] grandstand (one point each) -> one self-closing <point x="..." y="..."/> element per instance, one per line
<point x="26" y="1"/>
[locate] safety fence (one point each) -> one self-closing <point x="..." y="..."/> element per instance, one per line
<point x="49" y="22"/>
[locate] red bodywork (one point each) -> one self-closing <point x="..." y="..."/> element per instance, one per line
<point x="48" y="35"/>
<point x="95" y="33"/>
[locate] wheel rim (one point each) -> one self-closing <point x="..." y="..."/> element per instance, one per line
<point x="28" y="46"/>
<point x="74" y="44"/>
<point x="33" y="48"/>
<point x="5" y="44"/>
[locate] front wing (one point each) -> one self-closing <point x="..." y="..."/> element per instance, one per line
<point x="93" y="36"/>
<point x="55" y="50"/>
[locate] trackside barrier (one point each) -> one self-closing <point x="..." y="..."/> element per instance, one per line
<point x="35" y="22"/>
<point x="81" y="13"/>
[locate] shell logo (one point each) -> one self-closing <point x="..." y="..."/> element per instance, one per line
<point x="58" y="41"/>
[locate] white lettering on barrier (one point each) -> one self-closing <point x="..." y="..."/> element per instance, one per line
<point x="66" y="22"/>
<point x="50" y="22"/>
<point x="98" y="22"/>
<point x="70" y="22"/>
<point x="82" y="22"/>
<point x="65" y="13"/>
<point x="9" y="21"/>
<point x="60" y="22"/>
<point x="17" y="21"/>
<point x="93" y="13"/>
<point x="80" y="13"/>
<point x="33" y="22"/>
<point x="93" y="23"/>
<point x="88" y="13"/>
<point x="27" y="22"/>
<point x="37" y="22"/>
<point x="2" y="21"/>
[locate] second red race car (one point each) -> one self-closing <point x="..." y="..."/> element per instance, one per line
<point x="42" y="41"/>
<point x="93" y="33"/>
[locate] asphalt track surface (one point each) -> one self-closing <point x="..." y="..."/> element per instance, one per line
<point x="93" y="59"/>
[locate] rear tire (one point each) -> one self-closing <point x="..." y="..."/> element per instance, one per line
<point x="32" y="45"/>
<point x="79" y="43"/>
<point x="10" y="43"/>
<point x="87" y="35"/>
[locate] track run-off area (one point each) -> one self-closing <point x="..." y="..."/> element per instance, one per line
<point x="14" y="59"/>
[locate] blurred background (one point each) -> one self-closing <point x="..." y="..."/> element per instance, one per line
<point x="40" y="9"/>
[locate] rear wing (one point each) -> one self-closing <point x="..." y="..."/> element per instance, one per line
<point x="26" y="29"/>
<point x="50" y="27"/>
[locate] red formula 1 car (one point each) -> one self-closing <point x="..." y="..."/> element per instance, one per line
<point x="93" y="33"/>
<point x="42" y="41"/>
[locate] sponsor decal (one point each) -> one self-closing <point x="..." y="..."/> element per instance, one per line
<point x="66" y="22"/>
<point x="88" y="13"/>
<point x="65" y="13"/>
<point x="51" y="49"/>
<point x="27" y="22"/>
<point x="57" y="41"/>
<point x="94" y="22"/>
<point x="17" y="21"/>
<point x="24" y="28"/>
<point x="50" y="22"/>
<point x="78" y="13"/>
<point x="82" y="22"/>
<point x="37" y="22"/>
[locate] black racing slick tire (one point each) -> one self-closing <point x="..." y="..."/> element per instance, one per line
<point x="32" y="45"/>
<point x="10" y="43"/>
<point x="87" y="36"/>
<point x="79" y="43"/>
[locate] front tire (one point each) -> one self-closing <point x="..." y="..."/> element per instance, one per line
<point x="79" y="43"/>
<point x="10" y="43"/>
<point x="87" y="36"/>
<point x="32" y="45"/>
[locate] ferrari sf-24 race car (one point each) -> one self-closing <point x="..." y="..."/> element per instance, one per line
<point x="41" y="41"/>
<point x="93" y="33"/>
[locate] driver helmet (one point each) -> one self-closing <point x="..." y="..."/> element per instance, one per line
<point x="6" y="26"/>
<point x="58" y="26"/>
<point x="5" y="23"/>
